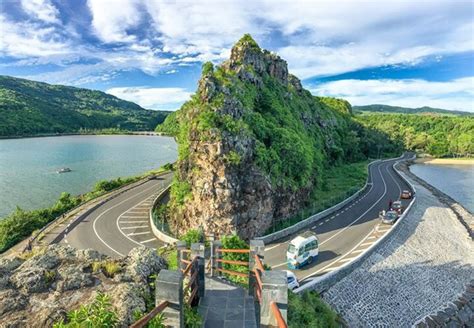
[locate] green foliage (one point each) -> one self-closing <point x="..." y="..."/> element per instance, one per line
<point x="170" y="126"/>
<point x="181" y="190"/>
<point x="404" y="110"/>
<point x="233" y="157"/>
<point x="309" y="310"/>
<point x="234" y="242"/>
<point x="192" y="318"/>
<point x="50" y="275"/>
<point x="98" y="314"/>
<point x="108" y="267"/>
<point x="207" y="68"/>
<point x="440" y="136"/>
<point x="193" y="236"/>
<point x="248" y="41"/>
<point x="32" y="108"/>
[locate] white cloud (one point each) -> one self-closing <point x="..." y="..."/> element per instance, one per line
<point x="112" y="18"/>
<point x="455" y="95"/>
<point x="26" y="39"/>
<point x="41" y="9"/>
<point x="154" y="98"/>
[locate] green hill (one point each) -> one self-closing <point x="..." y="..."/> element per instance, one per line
<point x="406" y="110"/>
<point x="31" y="108"/>
<point x="253" y="145"/>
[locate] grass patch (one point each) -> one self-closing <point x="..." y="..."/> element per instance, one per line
<point x="309" y="310"/>
<point x="107" y="267"/>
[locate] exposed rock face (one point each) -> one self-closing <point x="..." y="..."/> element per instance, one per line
<point x="230" y="192"/>
<point x="39" y="291"/>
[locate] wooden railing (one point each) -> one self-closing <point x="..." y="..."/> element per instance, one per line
<point x="143" y="321"/>
<point x="190" y="272"/>
<point x="220" y="260"/>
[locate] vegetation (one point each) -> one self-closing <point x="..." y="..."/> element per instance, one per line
<point x="32" y="108"/>
<point x="405" y="110"/>
<point x="21" y="224"/>
<point x="234" y="242"/>
<point x="107" y="267"/>
<point x="156" y="322"/>
<point x="192" y="318"/>
<point x="440" y="136"/>
<point x="98" y="314"/>
<point x="309" y="310"/>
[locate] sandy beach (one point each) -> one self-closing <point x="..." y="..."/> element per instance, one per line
<point x="456" y="161"/>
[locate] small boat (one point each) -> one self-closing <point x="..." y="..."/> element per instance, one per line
<point x="64" y="170"/>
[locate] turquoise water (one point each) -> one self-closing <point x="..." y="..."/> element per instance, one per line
<point x="455" y="180"/>
<point x="28" y="166"/>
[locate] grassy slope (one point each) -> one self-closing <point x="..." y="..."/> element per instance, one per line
<point x="30" y="107"/>
<point x="405" y="110"/>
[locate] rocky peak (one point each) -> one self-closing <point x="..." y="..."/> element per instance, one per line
<point x="247" y="53"/>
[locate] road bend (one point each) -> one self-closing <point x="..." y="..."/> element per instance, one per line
<point x="343" y="231"/>
<point x="121" y="223"/>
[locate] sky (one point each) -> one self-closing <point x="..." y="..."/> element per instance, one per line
<point x="396" y="52"/>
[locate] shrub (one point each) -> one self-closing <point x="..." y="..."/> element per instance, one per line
<point x="98" y="314"/>
<point x="156" y="322"/>
<point x="193" y="236"/>
<point x="207" y="68"/>
<point x="234" y="242"/>
<point x="309" y="310"/>
<point x="108" y="267"/>
<point x="192" y="318"/>
<point x="49" y="276"/>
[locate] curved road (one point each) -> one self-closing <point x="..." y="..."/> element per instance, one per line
<point x="347" y="233"/>
<point x="121" y="223"/>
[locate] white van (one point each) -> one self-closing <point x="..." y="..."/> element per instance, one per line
<point x="302" y="251"/>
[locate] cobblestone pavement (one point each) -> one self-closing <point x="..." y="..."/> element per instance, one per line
<point x="226" y="306"/>
<point x="420" y="268"/>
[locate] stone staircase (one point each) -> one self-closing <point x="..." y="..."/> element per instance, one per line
<point x="226" y="305"/>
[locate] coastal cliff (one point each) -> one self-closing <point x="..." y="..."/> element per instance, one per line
<point x="252" y="145"/>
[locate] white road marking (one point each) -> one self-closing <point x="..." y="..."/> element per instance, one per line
<point x="111" y="208"/>
<point x="348" y="259"/>
<point x="372" y="237"/>
<point x="136" y="227"/>
<point x="332" y="217"/>
<point x="359" y="251"/>
<point x="365" y="244"/>
<point x="147" y="241"/>
<point x="272" y="247"/>
<point x="278" y="265"/>
<point x="320" y="224"/>
<point x="127" y="222"/>
<point x="362" y="215"/>
<point x="139" y="233"/>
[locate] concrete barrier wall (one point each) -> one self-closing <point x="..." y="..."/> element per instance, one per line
<point x="156" y="231"/>
<point x="324" y="282"/>
<point x="315" y="217"/>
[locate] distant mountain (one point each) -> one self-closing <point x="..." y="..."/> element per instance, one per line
<point x="29" y="108"/>
<point x="406" y="110"/>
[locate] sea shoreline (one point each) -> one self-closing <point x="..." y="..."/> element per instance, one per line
<point x="98" y="133"/>
<point x="445" y="161"/>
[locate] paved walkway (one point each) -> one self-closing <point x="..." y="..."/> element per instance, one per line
<point x="226" y="306"/>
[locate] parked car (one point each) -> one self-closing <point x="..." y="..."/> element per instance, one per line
<point x="390" y="217"/>
<point x="301" y="251"/>
<point x="292" y="280"/>
<point x="406" y="194"/>
<point x="397" y="207"/>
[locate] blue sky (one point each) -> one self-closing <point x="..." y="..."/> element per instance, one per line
<point x="397" y="52"/>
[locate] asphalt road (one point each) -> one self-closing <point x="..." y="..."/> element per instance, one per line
<point x="120" y="224"/>
<point x="343" y="232"/>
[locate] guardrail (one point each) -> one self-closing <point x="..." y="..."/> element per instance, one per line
<point x="324" y="282"/>
<point x="143" y="321"/>
<point x="159" y="233"/>
<point x="316" y="217"/>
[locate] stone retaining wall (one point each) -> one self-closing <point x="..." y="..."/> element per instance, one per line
<point x="424" y="264"/>
<point x="459" y="313"/>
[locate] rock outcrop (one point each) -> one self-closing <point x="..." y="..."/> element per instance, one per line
<point x="43" y="287"/>
<point x="232" y="176"/>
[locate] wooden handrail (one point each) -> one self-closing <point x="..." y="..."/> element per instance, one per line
<point x="258" y="279"/>
<point x="279" y="318"/>
<point x="233" y="262"/>
<point x="149" y="316"/>
<point x="188" y="267"/>
<point x="258" y="263"/>
<point x="185" y="261"/>
<point x="241" y="251"/>
<point x="235" y="273"/>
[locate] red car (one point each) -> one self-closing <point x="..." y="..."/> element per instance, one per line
<point x="405" y="194"/>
